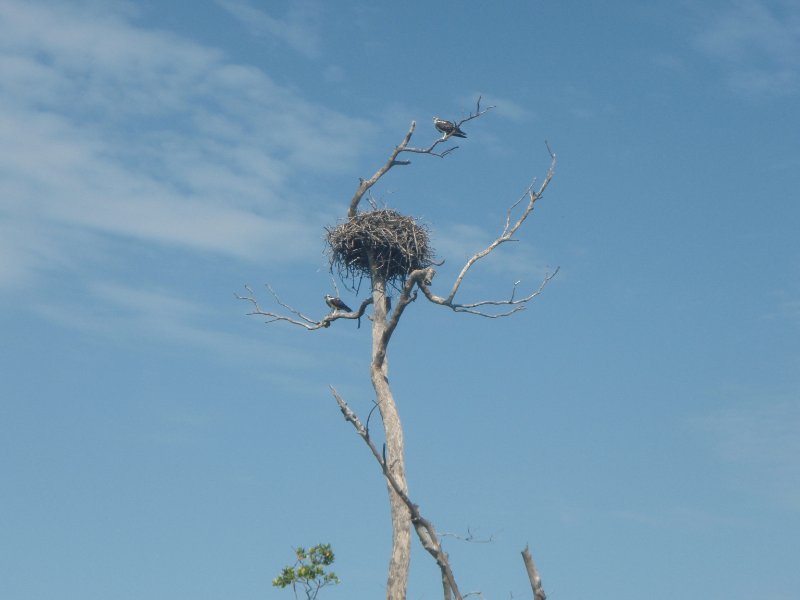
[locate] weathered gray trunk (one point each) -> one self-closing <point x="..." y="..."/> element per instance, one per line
<point x="401" y="521"/>
<point x="533" y="575"/>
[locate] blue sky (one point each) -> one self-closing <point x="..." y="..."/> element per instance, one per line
<point x="639" y="425"/>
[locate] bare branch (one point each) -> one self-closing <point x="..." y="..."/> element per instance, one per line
<point x="392" y="161"/>
<point x="424" y="528"/>
<point x="510" y="229"/>
<point x="423" y="277"/>
<point x="516" y="304"/>
<point x="470" y="537"/>
<point x="478" y="112"/>
<point x="533" y="575"/>
<point x="429" y="150"/>
<point x="365" y="184"/>
<point x="299" y="318"/>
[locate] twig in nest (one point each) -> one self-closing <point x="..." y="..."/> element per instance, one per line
<point x="392" y="243"/>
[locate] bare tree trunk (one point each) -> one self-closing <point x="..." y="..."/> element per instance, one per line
<point x="446" y="588"/>
<point x="414" y="272"/>
<point x="401" y="520"/>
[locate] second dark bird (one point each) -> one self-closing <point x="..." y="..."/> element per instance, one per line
<point x="448" y="128"/>
<point x="336" y="303"/>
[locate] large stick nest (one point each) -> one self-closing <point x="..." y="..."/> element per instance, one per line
<point x="397" y="243"/>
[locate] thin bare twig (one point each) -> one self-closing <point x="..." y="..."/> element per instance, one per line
<point x="509" y="230"/>
<point x="299" y="319"/>
<point x="446" y="136"/>
<point x="393" y="161"/>
<point x="365" y="184"/>
<point x="470" y="537"/>
<point x="517" y="304"/>
<point x="422" y="277"/>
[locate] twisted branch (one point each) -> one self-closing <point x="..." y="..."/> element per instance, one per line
<point x="424" y="528"/>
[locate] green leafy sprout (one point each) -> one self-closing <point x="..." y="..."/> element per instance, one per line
<point x="308" y="572"/>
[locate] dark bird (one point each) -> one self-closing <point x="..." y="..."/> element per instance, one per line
<point x="448" y="128"/>
<point x="336" y="303"/>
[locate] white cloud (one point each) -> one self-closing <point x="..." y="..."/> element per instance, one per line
<point x="759" y="43"/>
<point x="459" y="241"/>
<point x="506" y="108"/>
<point x="156" y="305"/>
<point x="109" y="128"/>
<point x="790" y="310"/>
<point x="299" y="28"/>
<point x="155" y="317"/>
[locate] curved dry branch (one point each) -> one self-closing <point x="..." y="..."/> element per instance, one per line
<point x="422" y="277"/>
<point x="419" y="277"/>
<point x="424" y="528"/>
<point x="365" y="184"/>
<point x="299" y="318"/>
<point x="473" y="115"/>
<point x="510" y="229"/>
<point x="516" y="304"/>
<point x="470" y="538"/>
<point x="429" y="150"/>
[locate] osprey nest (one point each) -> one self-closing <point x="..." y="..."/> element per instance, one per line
<point x="397" y="243"/>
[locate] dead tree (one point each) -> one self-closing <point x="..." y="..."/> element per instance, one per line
<point x="392" y="251"/>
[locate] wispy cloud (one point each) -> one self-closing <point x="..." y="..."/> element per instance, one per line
<point x="669" y="62"/>
<point x="113" y="129"/>
<point x="790" y="309"/>
<point x="158" y="317"/>
<point x="506" y="108"/>
<point x="761" y="443"/>
<point x="299" y="28"/>
<point x="785" y="309"/>
<point x="759" y="43"/>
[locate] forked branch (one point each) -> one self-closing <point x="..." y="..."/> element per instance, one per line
<point x="299" y="318"/>
<point x="365" y="184"/>
<point x="446" y="136"/>
<point x="514" y="304"/>
<point x="510" y="228"/>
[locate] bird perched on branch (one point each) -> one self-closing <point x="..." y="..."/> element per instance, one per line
<point x="448" y="128"/>
<point x="336" y="303"/>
